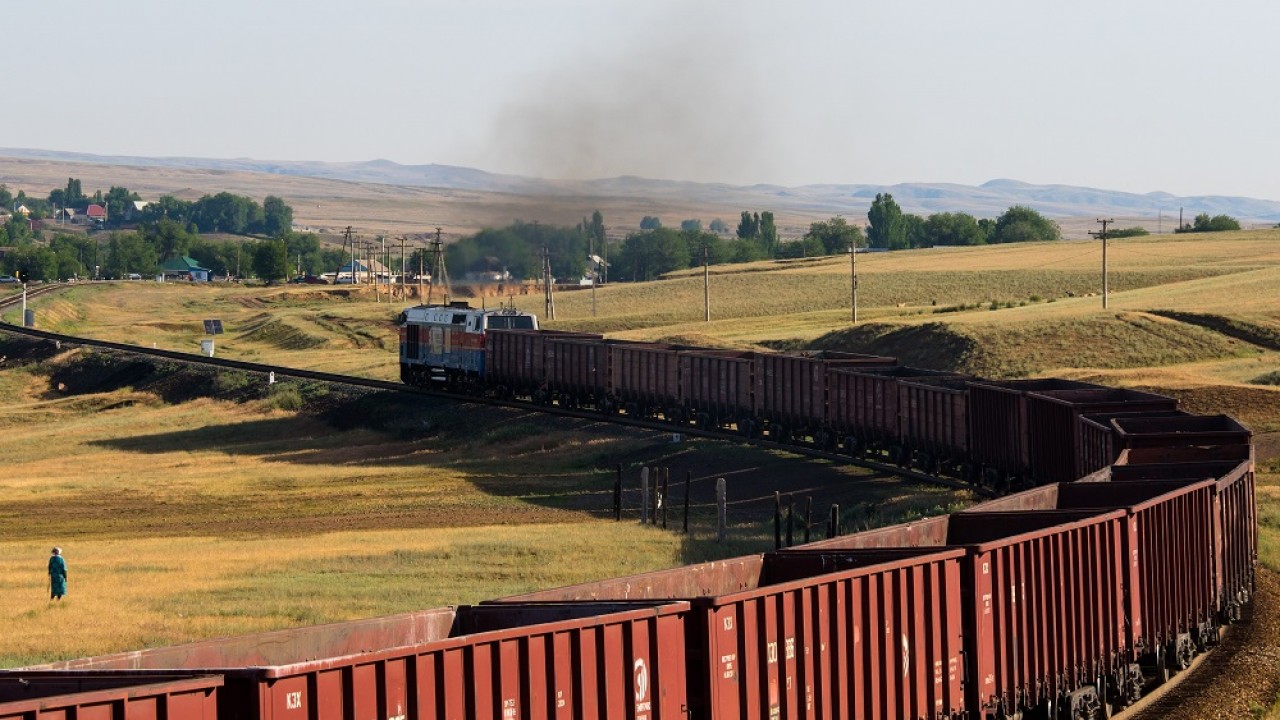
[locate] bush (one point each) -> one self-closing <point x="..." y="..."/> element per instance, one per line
<point x="1271" y="378"/>
<point x="1127" y="232"/>
<point x="285" y="396"/>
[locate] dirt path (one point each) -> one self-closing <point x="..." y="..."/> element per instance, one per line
<point x="1239" y="679"/>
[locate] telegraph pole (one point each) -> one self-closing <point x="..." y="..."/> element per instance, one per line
<point x="853" y="276"/>
<point x="440" y="272"/>
<point x="549" y="300"/>
<point x="706" y="282"/>
<point x="346" y="241"/>
<point x="404" y="291"/>
<point x="422" y="299"/>
<point x="1103" y="236"/>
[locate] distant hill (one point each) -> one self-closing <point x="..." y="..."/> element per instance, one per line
<point x="986" y="200"/>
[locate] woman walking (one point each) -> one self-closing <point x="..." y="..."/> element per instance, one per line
<point x="57" y="575"/>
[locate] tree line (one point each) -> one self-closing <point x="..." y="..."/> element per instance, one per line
<point x="165" y="229"/>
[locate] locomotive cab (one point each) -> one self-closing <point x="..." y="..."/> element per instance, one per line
<point x="444" y="344"/>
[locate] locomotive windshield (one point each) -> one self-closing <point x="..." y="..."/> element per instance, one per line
<point x="510" y="322"/>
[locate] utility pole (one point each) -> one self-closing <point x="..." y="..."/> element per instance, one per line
<point x="591" y="256"/>
<point x="346" y="245"/>
<point x="1103" y="236"/>
<point x="707" y="285"/>
<point x="853" y="276"/>
<point x="440" y="271"/>
<point x="549" y="299"/>
<point x="404" y="291"/>
<point x="422" y="300"/>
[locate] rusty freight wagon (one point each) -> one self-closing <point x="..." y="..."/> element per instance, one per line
<point x="1184" y="438"/>
<point x="644" y="380"/>
<point x="516" y="363"/>
<point x="1097" y="446"/>
<point x="1045" y="623"/>
<point x="999" y="442"/>
<point x="799" y="636"/>
<point x="1235" y="521"/>
<point x="47" y="695"/>
<point x="586" y="660"/>
<point x="577" y="371"/>
<point x="792" y="395"/>
<point x="1171" y="594"/>
<point x="1053" y="425"/>
<point x="717" y="388"/>
<point x="933" y="415"/>
<point x="864" y="410"/>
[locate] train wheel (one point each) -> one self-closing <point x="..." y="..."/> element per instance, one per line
<point x="899" y="456"/>
<point x="1164" y="670"/>
<point x="1184" y="651"/>
<point x="852" y="445"/>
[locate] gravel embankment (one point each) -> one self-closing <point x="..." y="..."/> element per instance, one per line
<point x="1240" y="679"/>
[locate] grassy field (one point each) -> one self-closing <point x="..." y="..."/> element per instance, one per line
<point x="197" y="508"/>
<point x="192" y="503"/>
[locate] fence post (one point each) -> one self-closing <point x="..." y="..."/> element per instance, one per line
<point x="808" y="517"/>
<point x="666" y="494"/>
<point x="644" y="496"/>
<point x="833" y="524"/>
<point x="722" y="508"/>
<point x="777" y="520"/>
<point x="688" y="477"/>
<point x="617" y="495"/>
<point x="791" y="512"/>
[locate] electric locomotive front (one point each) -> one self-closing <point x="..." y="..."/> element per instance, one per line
<point x="445" y="343"/>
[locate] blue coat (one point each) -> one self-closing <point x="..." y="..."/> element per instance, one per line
<point x="57" y="576"/>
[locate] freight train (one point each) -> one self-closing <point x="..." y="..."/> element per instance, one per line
<point x="1069" y="600"/>
<point x="1000" y="433"/>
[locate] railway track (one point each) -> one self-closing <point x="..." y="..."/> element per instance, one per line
<point x="385" y="385"/>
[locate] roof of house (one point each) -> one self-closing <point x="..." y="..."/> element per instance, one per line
<point x="96" y="211"/>
<point x="182" y="265"/>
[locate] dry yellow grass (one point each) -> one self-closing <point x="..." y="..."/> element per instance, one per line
<point x="130" y="593"/>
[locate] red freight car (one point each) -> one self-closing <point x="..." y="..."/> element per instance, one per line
<point x="1235" y="523"/>
<point x="717" y="388"/>
<point x="577" y="371"/>
<point x="1097" y="447"/>
<point x="515" y="363"/>
<point x="792" y="394"/>
<point x="795" y="635"/>
<point x="1185" y="438"/>
<point x="1171" y="593"/>
<point x="934" y="421"/>
<point x="865" y="407"/>
<point x="1045" y="621"/>
<point x="45" y="695"/>
<point x="606" y="660"/>
<point x="1053" y="425"/>
<point x="998" y="426"/>
<point x="644" y="380"/>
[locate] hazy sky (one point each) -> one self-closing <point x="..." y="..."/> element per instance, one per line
<point x="1138" y="96"/>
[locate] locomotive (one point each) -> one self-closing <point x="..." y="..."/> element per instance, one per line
<point x="445" y="344"/>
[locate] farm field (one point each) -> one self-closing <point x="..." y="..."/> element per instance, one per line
<point x="1194" y="317"/>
